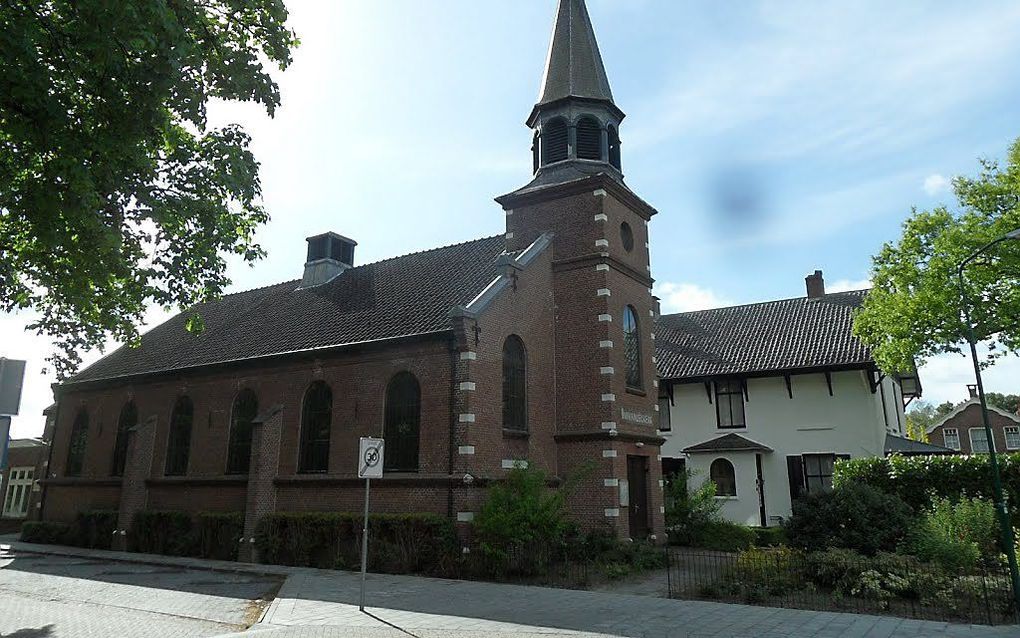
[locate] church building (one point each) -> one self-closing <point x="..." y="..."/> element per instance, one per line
<point x="531" y="348"/>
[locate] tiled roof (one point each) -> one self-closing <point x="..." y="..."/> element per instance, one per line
<point x="907" y="447"/>
<point x="759" y="338"/>
<point x="731" y="442"/>
<point x="403" y="296"/>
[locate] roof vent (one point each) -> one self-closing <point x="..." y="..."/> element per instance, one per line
<point x="329" y="255"/>
<point x="815" y="285"/>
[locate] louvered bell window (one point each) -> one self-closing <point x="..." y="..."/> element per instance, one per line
<point x="589" y="139"/>
<point x="614" y="147"/>
<point x="554" y="142"/>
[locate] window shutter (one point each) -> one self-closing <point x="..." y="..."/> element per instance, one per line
<point x="795" y="467"/>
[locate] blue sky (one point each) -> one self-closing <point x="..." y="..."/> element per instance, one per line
<point x="827" y="122"/>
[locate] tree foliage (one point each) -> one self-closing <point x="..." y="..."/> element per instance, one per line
<point x="914" y="310"/>
<point x="922" y="415"/>
<point x="114" y="191"/>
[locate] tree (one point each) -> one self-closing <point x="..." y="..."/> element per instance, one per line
<point x="1008" y="402"/>
<point x="913" y="312"/>
<point x="114" y="191"/>
<point x="919" y="418"/>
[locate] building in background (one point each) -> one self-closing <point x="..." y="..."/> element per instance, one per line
<point x="963" y="430"/>
<point x="19" y="485"/>
<point x="762" y="399"/>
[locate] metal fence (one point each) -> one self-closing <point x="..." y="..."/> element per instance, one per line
<point x="887" y="584"/>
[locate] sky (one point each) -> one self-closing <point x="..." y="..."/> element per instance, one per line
<point x="774" y="138"/>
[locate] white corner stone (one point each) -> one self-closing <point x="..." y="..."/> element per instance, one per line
<point x="651" y="313"/>
<point x="510" y="212"/>
<point x="607" y="370"/>
<point x="662" y="483"/>
<point x="602" y="217"/>
<point x="605" y="344"/>
<point x="655" y="383"/>
<point x="609" y="425"/>
<point x="662" y="509"/>
<point x="652" y="335"/>
<point x="602" y="243"/>
<point x="465" y="517"/>
<point x="605" y="318"/>
<point x="468" y="356"/>
<point x="611" y="482"/>
<point x="603" y="292"/>
<point x="609" y="397"/>
<point x="600" y="193"/>
<point x="612" y="512"/>
<point x="609" y="454"/>
<point x="509" y="235"/>
<point x="656" y="407"/>
<point x="466" y="418"/>
<point x="466" y="450"/>
<point x="467" y="386"/>
<point x="514" y="464"/>
<point x="601" y="267"/>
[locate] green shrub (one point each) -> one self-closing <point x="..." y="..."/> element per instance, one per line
<point x="856" y="517"/>
<point x="398" y="543"/>
<point x="955" y="535"/>
<point x="774" y="569"/>
<point x="522" y="512"/>
<point x="723" y="536"/>
<point x="47" y="533"/>
<point x="95" y="529"/>
<point x="769" y="536"/>
<point x="688" y="511"/>
<point x="164" y="532"/>
<point x="919" y="480"/>
<point x="218" y="534"/>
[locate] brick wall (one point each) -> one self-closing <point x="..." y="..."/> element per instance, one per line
<point x="970" y="417"/>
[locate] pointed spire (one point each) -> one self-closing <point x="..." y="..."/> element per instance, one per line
<point x="574" y="67"/>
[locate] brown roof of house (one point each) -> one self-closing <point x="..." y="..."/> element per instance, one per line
<point x="400" y="297"/>
<point x="731" y="442"/>
<point x="771" y="336"/>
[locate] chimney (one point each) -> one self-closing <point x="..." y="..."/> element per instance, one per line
<point x="329" y="255"/>
<point x="972" y="389"/>
<point x="815" y="285"/>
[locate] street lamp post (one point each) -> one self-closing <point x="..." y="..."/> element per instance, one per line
<point x="1006" y="528"/>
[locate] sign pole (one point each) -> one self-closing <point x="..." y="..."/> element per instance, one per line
<point x="364" y="547"/>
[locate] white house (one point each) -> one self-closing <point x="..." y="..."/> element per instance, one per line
<point x="763" y="398"/>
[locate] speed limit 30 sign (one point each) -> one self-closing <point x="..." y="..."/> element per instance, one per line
<point x="370" y="458"/>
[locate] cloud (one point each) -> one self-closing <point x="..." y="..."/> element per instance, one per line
<point x="945" y="377"/>
<point x="684" y="297"/>
<point x="843" y="285"/>
<point x="935" y="184"/>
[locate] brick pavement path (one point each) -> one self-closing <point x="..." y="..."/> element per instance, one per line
<point x="323" y="604"/>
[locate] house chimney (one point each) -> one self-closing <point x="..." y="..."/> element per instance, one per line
<point x="815" y="285"/>
<point x="972" y="389"/>
<point x="329" y="255"/>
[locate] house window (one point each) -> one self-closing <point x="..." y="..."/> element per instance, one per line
<point x="242" y="415"/>
<point x="951" y="436"/>
<point x="19" y="486"/>
<point x="978" y="441"/>
<point x="818" y="472"/>
<point x="316" y="421"/>
<point x="178" y="447"/>
<point x="1012" y="433"/>
<point x="664" y="417"/>
<point x="721" y="473"/>
<point x="515" y="400"/>
<point x="128" y="419"/>
<point x="403" y="420"/>
<point x="632" y="347"/>
<point x="729" y="403"/>
<point x="76" y="446"/>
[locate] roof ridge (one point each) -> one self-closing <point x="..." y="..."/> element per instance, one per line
<point x="759" y="303"/>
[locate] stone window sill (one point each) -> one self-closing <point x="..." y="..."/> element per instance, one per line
<point x="509" y="433"/>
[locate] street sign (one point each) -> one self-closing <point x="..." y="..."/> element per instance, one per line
<point x="370" y="458"/>
<point x="12" y="376"/>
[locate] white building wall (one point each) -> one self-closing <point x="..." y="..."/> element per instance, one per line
<point x="852" y="421"/>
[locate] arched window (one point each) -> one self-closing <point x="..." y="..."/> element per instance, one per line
<point x="722" y="475"/>
<point x="178" y="447"/>
<point x="403" y="419"/>
<point x="76" y="446"/>
<point x="515" y="384"/>
<point x="589" y="139"/>
<point x="632" y="347"/>
<point x="246" y="408"/>
<point x="614" y="146"/>
<point x="128" y="419"/>
<point x="554" y="141"/>
<point x="316" y="420"/>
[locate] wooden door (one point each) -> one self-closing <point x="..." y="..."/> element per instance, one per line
<point x="637" y="480"/>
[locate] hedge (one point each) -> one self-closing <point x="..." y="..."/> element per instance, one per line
<point x="398" y="543"/>
<point x="202" y="535"/>
<point x="92" y="529"/>
<point x="47" y="533"/>
<point x="918" y="479"/>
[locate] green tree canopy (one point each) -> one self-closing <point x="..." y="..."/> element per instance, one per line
<point x="114" y="192"/>
<point x="914" y="310"/>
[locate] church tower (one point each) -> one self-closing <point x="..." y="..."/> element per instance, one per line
<point x="606" y="385"/>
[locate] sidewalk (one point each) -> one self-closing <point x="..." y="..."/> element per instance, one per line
<point x="323" y="603"/>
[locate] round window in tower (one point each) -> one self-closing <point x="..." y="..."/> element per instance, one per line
<point x="627" y="235"/>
